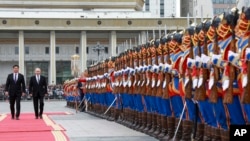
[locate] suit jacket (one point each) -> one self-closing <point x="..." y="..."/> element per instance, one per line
<point x="38" y="89"/>
<point x="15" y="88"/>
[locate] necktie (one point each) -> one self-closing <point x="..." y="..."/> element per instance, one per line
<point x="37" y="78"/>
<point x="15" y="77"/>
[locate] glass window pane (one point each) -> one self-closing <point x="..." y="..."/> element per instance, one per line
<point x="27" y="50"/>
<point x="63" y="71"/>
<point x="77" y="50"/>
<point x="16" y="50"/>
<point x="46" y="50"/>
<point x="57" y="50"/>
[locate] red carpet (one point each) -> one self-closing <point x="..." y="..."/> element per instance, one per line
<point x="30" y="129"/>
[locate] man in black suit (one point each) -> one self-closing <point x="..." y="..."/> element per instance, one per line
<point x="15" y="88"/>
<point x="38" y="89"/>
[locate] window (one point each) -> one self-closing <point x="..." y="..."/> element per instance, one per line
<point x="162" y="12"/>
<point x="106" y="50"/>
<point x="16" y="50"/>
<point x="161" y="2"/>
<point x="46" y="50"/>
<point x="87" y="50"/>
<point x="77" y="50"/>
<point x="27" y="50"/>
<point x="147" y="5"/>
<point x="57" y="50"/>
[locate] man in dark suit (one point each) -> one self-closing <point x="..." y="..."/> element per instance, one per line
<point x="15" y="88"/>
<point x="38" y="89"/>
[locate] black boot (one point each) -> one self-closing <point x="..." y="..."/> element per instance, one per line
<point x="139" y="121"/>
<point x="130" y="118"/>
<point x="186" y="130"/>
<point x="215" y="134"/>
<point x="207" y="133"/>
<point x="121" y="116"/>
<point x="179" y="131"/>
<point x="154" y="120"/>
<point x="144" y="122"/>
<point x="199" y="132"/>
<point x="117" y="114"/>
<point x="135" y="119"/>
<point x="125" y="117"/>
<point x="224" y="135"/>
<point x="158" y="126"/>
<point x="163" y="128"/>
<point x="149" y="123"/>
<point x="171" y="123"/>
<point x="111" y="116"/>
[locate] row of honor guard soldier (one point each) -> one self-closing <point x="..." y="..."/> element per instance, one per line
<point x="187" y="85"/>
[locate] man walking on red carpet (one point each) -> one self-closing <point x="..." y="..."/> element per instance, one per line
<point x="38" y="89"/>
<point x="15" y="88"/>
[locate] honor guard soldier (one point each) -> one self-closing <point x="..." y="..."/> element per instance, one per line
<point x="140" y="85"/>
<point x="158" y="92"/>
<point x="147" y="88"/>
<point x="118" y="75"/>
<point x="165" y="68"/>
<point x="202" y="62"/>
<point x="138" y="107"/>
<point x="152" y="77"/>
<point x="175" y="95"/>
<point x="243" y="43"/>
<point x="125" y="96"/>
<point x="188" y="81"/>
<point x="214" y="82"/>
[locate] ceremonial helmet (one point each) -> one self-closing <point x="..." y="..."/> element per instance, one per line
<point x="214" y="25"/>
<point x="244" y="21"/>
<point x="228" y="19"/>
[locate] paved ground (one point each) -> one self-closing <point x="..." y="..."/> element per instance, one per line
<point x="81" y="126"/>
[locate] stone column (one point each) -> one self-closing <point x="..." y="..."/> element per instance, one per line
<point x="21" y="51"/>
<point x="83" y="53"/>
<point x="52" y="71"/>
<point x="113" y="43"/>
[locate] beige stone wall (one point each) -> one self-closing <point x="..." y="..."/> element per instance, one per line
<point x="83" y="4"/>
<point x="93" y="24"/>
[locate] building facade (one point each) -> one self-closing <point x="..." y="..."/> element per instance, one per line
<point x="47" y="33"/>
<point x="221" y="6"/>
<point x="187" y="7"/>
<point x="163" y="8"/>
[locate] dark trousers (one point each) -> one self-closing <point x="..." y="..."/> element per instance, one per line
<point x="13" y="100"/>
<point x="35" y="102"/>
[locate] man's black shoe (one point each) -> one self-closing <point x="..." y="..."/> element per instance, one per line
<point x="17" y="118"/>
<point x="41" y="117"/>
<point x="36" y="117"/>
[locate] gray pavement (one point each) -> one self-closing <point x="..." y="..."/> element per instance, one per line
<point x="82" y="126"/>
